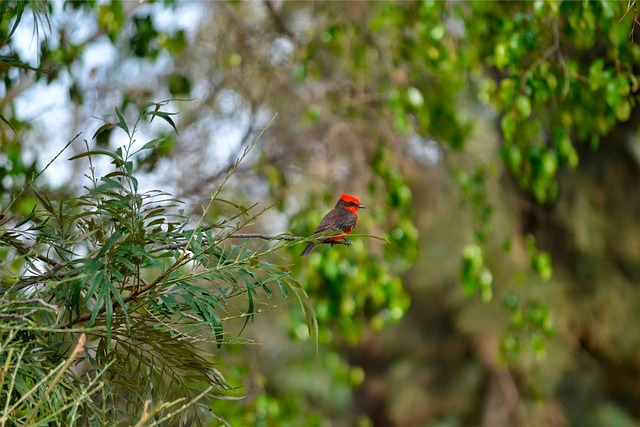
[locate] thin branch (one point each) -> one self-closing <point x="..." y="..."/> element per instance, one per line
<point x="266" y="237"/>
<point x="277" y="20"/>
<point x="41" y="172"/>
<point x="22" y="249"/>
<point x="24" y="316"/>
<point x="285" y="237"/>
<point x="191" y="316"/>
<point x="168" y="247"/>
<point x="632" y="4"/>
<point x="30" y="301"/>
<point x="179" y="245"/>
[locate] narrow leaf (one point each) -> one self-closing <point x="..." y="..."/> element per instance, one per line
<point x="3" y="118"/>
<point x="120" y="300"/>
<point x="102" y="129"/>
<point x="154" y="143"/>
<point x="97" y="153"/>
<point x="108" y="316"/>
<point x="166" y="117"/>
<point x="110" y="242"/>
<point x="27" y="218"/>
<point x="45" y="202"/>
<point x="122" y="124"/>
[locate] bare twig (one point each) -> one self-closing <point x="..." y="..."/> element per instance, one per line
<point x="31" y="301"/>
<point x="41" y="172"/>
<point x="23" y="316"/>
<point x="22" y="249"/>
<point x="277" y="20"/>
<point x="191" y="316"/>
<point x="632" y="4"/>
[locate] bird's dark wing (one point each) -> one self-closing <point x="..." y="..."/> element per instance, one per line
<point x="337" y="220"/>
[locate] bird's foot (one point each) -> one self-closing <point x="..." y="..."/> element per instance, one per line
<point x="345" y="242"/>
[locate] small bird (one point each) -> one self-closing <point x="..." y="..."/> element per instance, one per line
<point x="343" y="218"/>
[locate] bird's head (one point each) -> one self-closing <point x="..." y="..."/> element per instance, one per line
<point x="350" y="202"/>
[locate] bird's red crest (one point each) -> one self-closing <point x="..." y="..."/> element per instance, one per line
<point x="349" y="198"/>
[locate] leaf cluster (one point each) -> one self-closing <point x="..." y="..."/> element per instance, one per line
<point x="150" y="289"/>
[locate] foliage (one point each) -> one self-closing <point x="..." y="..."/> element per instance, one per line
<point x="151" y="290"/>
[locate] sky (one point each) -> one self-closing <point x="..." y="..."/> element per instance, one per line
<point x="48" y="106"/>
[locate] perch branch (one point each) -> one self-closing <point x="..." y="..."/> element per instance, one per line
<point x="250" y="236"/>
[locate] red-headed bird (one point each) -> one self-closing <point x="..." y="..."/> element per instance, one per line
<point x="343" y="218"/>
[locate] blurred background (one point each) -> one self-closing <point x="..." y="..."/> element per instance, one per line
<point x="496" y="148"/>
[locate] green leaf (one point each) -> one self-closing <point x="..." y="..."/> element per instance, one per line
<point x="3" y="118"/>
<point x="283" y="288"/>
<point x="508" y="125"/>
<point x="107" y="183"/>
<point x="101" y="129"/>
<point x="98" y="153"/>
<point x="94" y="284"/>
<point x="170" y="303"/>
<point x="108" y="314"/>
<point x="154" y="143"/>
<point x="307" y="307"/>
<point x="118" y="296"/>
<point x="166" y="117"/>
<point x="268" y="293"/>
<point x="251" y="309"/>
<point x="596" y="74"/>
<point x="27" y="218"/>
<point x="122" y="124"/>
<point x="45" y="202"/>
<point x="623" y="110"/>
<point x="541" y="263"/>
<point x="110" y="242"/>
<point x="10" y="61"/>
<point x="523" y="106"/>
<point x="501" y="55"/>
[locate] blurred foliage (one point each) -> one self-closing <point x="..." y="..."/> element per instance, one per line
<point x="495" y="146"/>
<point x="359" y="287"/>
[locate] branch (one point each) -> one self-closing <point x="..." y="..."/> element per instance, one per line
<point x="31" y="301"/>
<point x="265" y="237"/>
<point x="22" y="249"/>
<point x="277" y="20"/>
<point x="25" y="316"/>
<point x="342" y="241"/>
<point x="286" y="237"/>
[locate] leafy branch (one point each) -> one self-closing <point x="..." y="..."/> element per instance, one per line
<point x="144" y="281"/>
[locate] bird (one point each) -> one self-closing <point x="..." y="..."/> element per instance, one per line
<point x="343" y="218"/>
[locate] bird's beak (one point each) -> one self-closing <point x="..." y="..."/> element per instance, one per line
<point x="362" y="207"/>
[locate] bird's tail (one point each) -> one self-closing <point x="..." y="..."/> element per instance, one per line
<point x="308" y="249"/>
